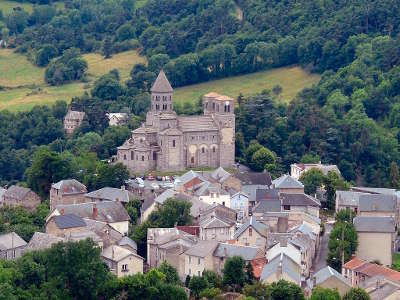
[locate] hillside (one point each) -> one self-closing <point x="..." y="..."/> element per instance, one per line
<point x="292" y="79"/>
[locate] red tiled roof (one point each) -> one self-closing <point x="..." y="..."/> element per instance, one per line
<point x="193" y="230"/>
<point x="371" y="269"/>
<point x="355" y="262"/>
<point x="258" y="266"/>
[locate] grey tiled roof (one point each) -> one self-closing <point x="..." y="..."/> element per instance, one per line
<point x="147" y="203"/>
<point x="40" y="241"/>
<point x="220" y="174"/>
<point x="299" y="200"/>
<point x="271" y="205"/>
<point x="197" y="124"/>
<point x="261" y="228"/>
<point x="215" y="222"/>
<point x="161" y="85"/>
<point x="374" y="224"/>
<point x="69" y="221"/>
<point x="202" y="248"/>
<point x="289" y="267"/>
<point x="287" y="182"/>
<point x="326" y="273"/>
<point x="229" y="250"/>
<point x="254" y="178"/>
<point x="126" y="241"/>
<point x="16" y="192"/>
<point x="10" y="241"/>
<point x="108" y="211"/>
<point x="167" y="194"/>
<point x="70" y="186"/>
<point x="348" y="198"/>
<point x="111" y="194"/>
<point x="376" y="202"/>
<point x="263" y="194"/>
<point x="373" y="190"/>
<point x="75" y="115"/>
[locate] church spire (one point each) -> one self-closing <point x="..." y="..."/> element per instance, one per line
<point x="161" y="85"/>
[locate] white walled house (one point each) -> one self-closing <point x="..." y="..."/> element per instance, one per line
<point x="240" y="203"/>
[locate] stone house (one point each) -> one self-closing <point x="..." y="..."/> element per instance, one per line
<point x="348" y="200"/>
<point x="20" y="196"/>
<point x="64" y="225"/>
<point x="329" y="278"/>
<point x="107" y="212"/>
<point x="376" y="205"/>
<point x="250" y="182"/>
<point x="376" y="237"/>
<point x="121" y="261"/>
<point x="281" y="267"/>
<point x="129" y="244"/>
<point x="69" y="191"/>
<point x="267" y="201"/>
<point x="168" y="142"/>
<point x="216" y="228"/>
<point x="199" y="258"/>
<point x="212" y="194"/>
<point x="41" y="241"/>
<point x="287" y="184"/>
<point x="296" y="170"/>
<point x="252" y="233"/>
<point x="219" y="211"/>
<point x="240" y="203"/>
<point x="73" y="120"/>
<point x="12" y="246"/>
<point x="110" y="194"/>
<point x="300" y="202"/>
<point x="117" y="119"/>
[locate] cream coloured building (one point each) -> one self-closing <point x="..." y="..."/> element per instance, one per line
<point x="376" y="237"/>
<point x="199" y="258"/>
<point x="252" y="233"/>
<point x="121" y="261"/>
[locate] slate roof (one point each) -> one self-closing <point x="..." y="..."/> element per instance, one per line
<point x="40" y="241"/>
<point x="69" y="221"/>
<point x="298" y="200"/>
<point x="149" y="201"/>
<point x="373" y="190"/>
<point x="171" y="131"/>
<point x="111" y="194"/>
<point x="69" y="186"/>
<point x="11" y="241"/>
<point x="289" y="267"/>
<point x="215" y="222"/>
<point x="126" y="241"/>
<point x="190" y="175"/>
<point x="348" y="198"/>
<point x="167" y="194"/>
<point x="271" y="205"/>
<point x="246" y="252"/>
<point x="326" y="273"/>
<point x="220" y="174"/>
<point x="202" y="248"/>
<point x="264" y="194"/>
<point x="117" y="253"/>
<point x="374" y="224"/>
<point x="197" y="124"/>
<point x="161" y="85"/>
<point x="254" y="178"/>
<point x="75" y="115"/>
<point x="16" y="192"/>
<point x="108" y="211"/>
<point x="377" y="202"/>
<point x="261" y="228"/>
<point x="287" y="182"/>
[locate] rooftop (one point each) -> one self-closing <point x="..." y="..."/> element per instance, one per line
<point x="111" y="194"/>
<point x="377" y="202"/>
<point x="374" y="224"/>
<point x="246" y="252"/>
<point x="69" y="221"/>
<point x="117" y="253"/>
<point x="254" y="178"/>
<point x="261" y="228"/>
<point x="197" y="124"/>
<point x="40" y="241"/>
<point x="348" y="198"/>
<point x="202" y="248"/>
<point x="289" y="267"/>
<point x="11" y="241"/>
<point x="161" y="85"/>
<point x="299" y="200"/>
<point x="16" y="192"/>
<point x="287" y="182"/>
<point x="328" y="272"/>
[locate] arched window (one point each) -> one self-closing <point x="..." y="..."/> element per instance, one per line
<point x="132" y="155"/>
<point x="214" y="149"/>
<point x="142" y="157"/>
<point x="173" y="143"/>
<point x="192" y="159"/>
<point x="203" y="150"/>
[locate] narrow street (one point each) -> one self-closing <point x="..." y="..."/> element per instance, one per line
<point x="322" y="254"/>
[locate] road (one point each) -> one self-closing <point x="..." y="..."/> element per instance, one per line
<point x="322" y="254"/>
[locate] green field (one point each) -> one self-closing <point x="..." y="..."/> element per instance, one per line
<point x="292" y="79"/>
<point x="7" y="6"/>
<point x="24" y="84"/>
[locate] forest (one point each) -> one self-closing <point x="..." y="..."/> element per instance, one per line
<point x="350" y="118"/>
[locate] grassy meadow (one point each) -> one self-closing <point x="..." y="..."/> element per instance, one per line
<point x="292" y="79"/>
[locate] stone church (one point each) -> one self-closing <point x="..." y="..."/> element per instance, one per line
<point x="168" y="142"/>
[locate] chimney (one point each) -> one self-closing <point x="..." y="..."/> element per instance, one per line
<point x="62" y="211"/>
<point x="95" y="212"/>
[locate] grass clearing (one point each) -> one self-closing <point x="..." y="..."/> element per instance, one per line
<point x="7" y="6"/>
<point x="123" y="61"/>
<point x="292" y="79"/>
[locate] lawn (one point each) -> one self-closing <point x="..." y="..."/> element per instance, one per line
<point x="7" y="6"/>
<point x="292" y="79"/>
<point x="124" y="62"/>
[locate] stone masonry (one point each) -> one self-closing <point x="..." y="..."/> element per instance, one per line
<point x="168" y="142"/>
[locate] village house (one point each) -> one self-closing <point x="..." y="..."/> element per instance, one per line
<point x="18" y="196"/>
<point x="107" y="212"/>
<point x="69" y="191"/>
<point x="65" y="224"/>
<point x="117" y="119"/>
<point x="168" y="142"/>
<point x="287" y="184"/>
<point x="252" y="233"/>
<point x="109" y="194"/>
<point x="267" y="200"/>
<point x="348" y="200"/>
<point x="359" y="271"/>
<point x="199" y="257"/>
<point x="219" y="211"/>
<point x="225" y="179"/>
<point x="376" y="205"/>
<point x="42" y="241"/>
<point x="281" y="267"/>
<point x="73" y="120"/>
<point x="329" y="278"/>
<point x="300" y="202"/>
<point x="240" y="203"/>
<point x="250" y="182"/>
<point x="376" y="236"/>
<point x="121" y="261"/>
<point x="296" y="170"/>
<point x="215" y="228"/>
<point x="382" y="289"/>
<point x="12" y="246"/>
<point x="128" y="243"/>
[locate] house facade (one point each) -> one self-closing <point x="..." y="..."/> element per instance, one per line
<point x="73" y="120"/>
<point x="252" y="233"/>
<point x="21" y="196"/>
<point x="167" y="141"/>
<point x="121" y="261"/>
<point x="12" y="246"/>
<point x="68" y="191"/>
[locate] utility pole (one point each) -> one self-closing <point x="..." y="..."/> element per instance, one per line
<point x="343" y="244"/>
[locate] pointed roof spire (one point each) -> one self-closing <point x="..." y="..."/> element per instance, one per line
<point x="162" y="85"/>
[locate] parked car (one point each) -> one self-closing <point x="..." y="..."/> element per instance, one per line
<point x="139" y="181"/>
<point x="167" y="178"/>
<point x="159" y="178"/>
<point x="155" y="186"/>
<point x="150" y="177"/>
<point x="167" y="185"/>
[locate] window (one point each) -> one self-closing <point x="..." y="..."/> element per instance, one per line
<point x="203" y="150"/>
<point x="190" y="259"/>
<point x="217" y="107"/>
<point x="198" y="273"/>
<point x="213" y="106"/>
<point x="221" y="230"/>
<point x="259" y="242"/>
<point x="192" y="160"/>
<point x="250" y="231"/>
<point x="198" y="260"/>
<point x="132" y="156"/>
<point x="213" y="148"/>
<point x="124" y="156"/>
<point x="154" y="156"/>
<point x="142" y="157"/>
<point x="206" y="104"/>
<point x="286" y="207"/>
<point x="173" y="143"/>
<point x="125" y="268"/>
